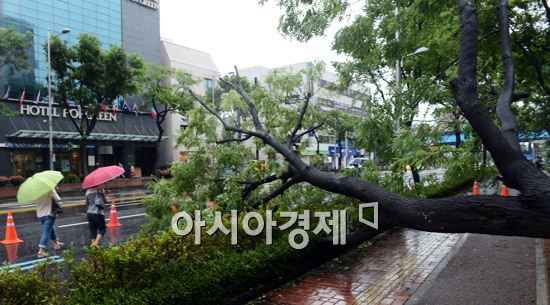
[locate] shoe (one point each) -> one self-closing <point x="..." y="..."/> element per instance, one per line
<point x="58" y="245"/>
<point x="43" y="255"/>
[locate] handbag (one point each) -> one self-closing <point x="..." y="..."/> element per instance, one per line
<point x="56" y="207"/>
<point x="100" y="201"/>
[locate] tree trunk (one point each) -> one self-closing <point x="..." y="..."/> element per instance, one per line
<point x="157" y="147"/>
<point x="526" y="215"/>
<point x="83" y="158"/>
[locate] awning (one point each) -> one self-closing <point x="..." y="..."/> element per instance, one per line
<point x="69" y="135"/>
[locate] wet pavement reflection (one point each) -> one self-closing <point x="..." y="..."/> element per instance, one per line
<point x="388" y="272"/>
<point x="71" y="230"/>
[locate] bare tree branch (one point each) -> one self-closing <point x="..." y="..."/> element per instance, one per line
<point x="546" y="10"/>
<point x="253" y="112"/>
<point x="255" y="184"/>
<point x="536" y="65"/>
<point x="279" y="191"/>
<point x="378" y="89"/>
<point x="298" y="125"/>
<point x="519" y="96"/>
<point x="234" y="140"/>
<point x="526" y="215"/>
<point x="515" y="169"/>
<point x="508" y="122"/>
<point x="309" y="130"/>
<point x="224" y="124"/>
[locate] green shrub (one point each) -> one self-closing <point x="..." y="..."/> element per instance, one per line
<point x="170" y="269"/>
<point x="37" y="286"/>
<point x="71" y="178"/>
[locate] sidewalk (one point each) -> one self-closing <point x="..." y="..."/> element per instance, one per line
<point x="413" y="267"/>
<point x="387" y="272"/>
<point x="487" y="269"/>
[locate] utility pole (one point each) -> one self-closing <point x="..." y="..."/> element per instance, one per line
<point x="50" y="99"/>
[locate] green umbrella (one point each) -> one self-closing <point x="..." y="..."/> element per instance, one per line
<point x="38" y="185"/>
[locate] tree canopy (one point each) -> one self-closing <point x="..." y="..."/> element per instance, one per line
<point x="14" y="49"/>
<point x="164" y="89"/>
<point x="14" y="54"/>
<point x="276" y="124"/>
<point x="87" y="74"/>
<point x="375" y="35"/>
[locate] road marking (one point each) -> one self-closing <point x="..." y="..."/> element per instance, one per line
<point x="33" y="263"/>
<point x="78" y="203"/>
<point x="541" y="273"/>
<point x="84" y="223"/>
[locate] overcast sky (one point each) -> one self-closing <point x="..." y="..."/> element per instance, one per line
<point x="238" y="32"/>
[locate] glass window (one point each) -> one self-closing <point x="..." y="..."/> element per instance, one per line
<point x="101" y="18"/>
<point x="208" y="83"/>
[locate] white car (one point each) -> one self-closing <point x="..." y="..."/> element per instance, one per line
<point x="357" y="162"/>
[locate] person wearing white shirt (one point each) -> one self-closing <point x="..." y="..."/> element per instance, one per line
<point x="47" y="218"/>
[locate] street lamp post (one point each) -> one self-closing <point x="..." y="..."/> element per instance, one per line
<point x="50" y="100"/>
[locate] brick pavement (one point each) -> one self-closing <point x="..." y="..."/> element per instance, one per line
<point x="387" y="273"/>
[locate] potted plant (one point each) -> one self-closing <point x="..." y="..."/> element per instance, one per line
<point x="16" y="180"/>
<point x="3" y="180"/>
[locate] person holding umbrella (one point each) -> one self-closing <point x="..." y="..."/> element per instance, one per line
<point x="96" y="199"/>
<point x="47" y="215"/>
<point x="40" y="189"/>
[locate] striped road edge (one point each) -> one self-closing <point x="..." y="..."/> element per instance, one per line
<point x="541" y="273"/>
<point x="121" y="201"/>
<point x="33" y="263"/>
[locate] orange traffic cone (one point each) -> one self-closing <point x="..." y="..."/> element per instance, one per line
<point x="11" y="233"/>
<point x="173" y="206"/>
<point x="113" y="219"/>
<point x="475" y="191"/>
<point x="11" y="250"/>
<point x="504" y="191"/>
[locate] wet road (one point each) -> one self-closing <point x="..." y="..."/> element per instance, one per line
<point x="71" y="229"/>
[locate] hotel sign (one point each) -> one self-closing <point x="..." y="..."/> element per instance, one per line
<point x="36" y="110"/>
<point x="153" y="4"/>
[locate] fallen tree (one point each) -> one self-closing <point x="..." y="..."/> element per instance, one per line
<point x="525" y="215"/>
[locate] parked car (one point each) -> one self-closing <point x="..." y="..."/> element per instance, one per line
<point x="357" y="162"/>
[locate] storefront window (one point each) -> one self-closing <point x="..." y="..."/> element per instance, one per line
<point x="24" y="163"/>
<point x="67" y="162"/>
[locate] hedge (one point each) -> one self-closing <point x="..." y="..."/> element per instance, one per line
<point x="171" y="269"/>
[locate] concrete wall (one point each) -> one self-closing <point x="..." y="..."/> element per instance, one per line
<point x="200" y="65"/>
<point x="141" y="30"/>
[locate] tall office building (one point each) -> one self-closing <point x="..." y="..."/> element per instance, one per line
<point x="125" y="137"/>
<point x="129" y="23"/>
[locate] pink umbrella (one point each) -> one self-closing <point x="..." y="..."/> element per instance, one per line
<point x="102" y="175"/>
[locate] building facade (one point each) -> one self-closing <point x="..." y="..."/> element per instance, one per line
<point x="119" y="137"/>
<point x="348" y="101"/>
<point x="202" y="67"/>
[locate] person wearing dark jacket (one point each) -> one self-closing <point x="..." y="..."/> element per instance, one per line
<point x="96" y="201"/>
